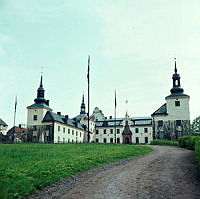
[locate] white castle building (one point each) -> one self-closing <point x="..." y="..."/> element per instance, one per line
<point x="46" y="126"/>
<point x="172" y="119"/>
<point x="127" y="130"/>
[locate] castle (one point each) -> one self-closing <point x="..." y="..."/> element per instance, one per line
<point x="170" y="121"/>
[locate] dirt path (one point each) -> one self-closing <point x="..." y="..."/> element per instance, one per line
<point x="168" y="173"/>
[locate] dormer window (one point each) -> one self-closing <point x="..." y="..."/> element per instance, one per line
<point x="177" y="103"/>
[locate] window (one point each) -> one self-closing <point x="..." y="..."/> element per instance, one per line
<point x="104" y="140"/>
<point x="72" y="132"/>
<point x="136" y="130"/>
<point x="160" y="123"/>
<point x="34" y="128"/>
<point x="111" y="140"/>
<point x="68" y="131"/>
<point x="34" y="117"/>
<point x="58" y="139"/>
<point x="111" y="131"/>
<point x="80" y="134"/>
<point x="97" y="131"/>
<point x="146" y="140"/>
<point x="146" y="130"/>
<point x="118" y="140"/>
<point x="63" y="129"/>
<point x="179" y="133"/>
<point x="76" y="133"/>
<point x="118" y="131"/>
<point x="177" y="103"/>
<point x="63" y="140"/>
<point x="137" y="140"/>
<point x="68" y="140"/>
<point x="97" y="140"/>
<point x="178" y="122"/>
<point x="58" y="128"/>
<point x="104" y="131"/>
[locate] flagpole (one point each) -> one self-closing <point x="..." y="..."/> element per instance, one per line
<point x="15" y="113"/>
<point x="115" y="118"/>
<point x="88" y="77"/>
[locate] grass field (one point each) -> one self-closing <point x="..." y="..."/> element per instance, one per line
<point x="26" y="167"/>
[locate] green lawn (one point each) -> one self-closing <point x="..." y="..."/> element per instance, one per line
<point x="26" y="167"/>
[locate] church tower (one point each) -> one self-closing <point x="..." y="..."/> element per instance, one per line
<point x="37" y="111"/>
<point x="177" y="101"/>
<point x="172" y="119"/>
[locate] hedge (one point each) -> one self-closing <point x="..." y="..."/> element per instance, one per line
<point x="164" y="142"/>
<point x="197" y="150"/>
<point x="193" y="143"/>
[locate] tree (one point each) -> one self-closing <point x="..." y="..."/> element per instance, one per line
<point x="195" y="126"/>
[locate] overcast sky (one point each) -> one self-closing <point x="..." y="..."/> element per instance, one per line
<point x="132" y="44"/>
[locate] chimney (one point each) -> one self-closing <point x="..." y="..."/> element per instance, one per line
<point x="58" y="113"/>
<point x="66" y="117"/>
<point x="110" y="117"/>
<point x="47" y="102"/>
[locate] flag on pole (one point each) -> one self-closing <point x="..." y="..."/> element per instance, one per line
<point x="88" y="77"/>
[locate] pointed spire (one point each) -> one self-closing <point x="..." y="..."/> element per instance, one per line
<point x="41" y="81"/>
<point x="83" y="106"/>
<point x="175" y="69"/>
<point x="83" y="98"/>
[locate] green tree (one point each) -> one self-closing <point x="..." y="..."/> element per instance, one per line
<point x="195" y="126"/>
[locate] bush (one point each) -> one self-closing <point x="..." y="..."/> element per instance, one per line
<point x="164" y="142"/>
<point x="197" y="150"/>
<point x="187" y="142"/>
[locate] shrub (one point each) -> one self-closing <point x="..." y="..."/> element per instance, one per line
<point x="187" y="142"/>
<point x="164" y="142"/>
<point x="197" y="150"/>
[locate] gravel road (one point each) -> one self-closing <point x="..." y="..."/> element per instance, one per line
<point x="167" y="173"/>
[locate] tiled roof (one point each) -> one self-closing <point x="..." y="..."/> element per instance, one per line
<point x="2" y="123"/>
<point x="17" y="130"/>
<point x="53" y="117"/>
<point x="161" y="111"/>
<point x="136" y="121"/>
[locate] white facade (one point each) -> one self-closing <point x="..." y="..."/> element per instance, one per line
<point x="138" y="132"/>
<point x="35" y="115"/>
<point x="68" y="134"/>
<point x="3" y="129"/>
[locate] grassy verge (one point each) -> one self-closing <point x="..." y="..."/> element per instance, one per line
<point x="164" y="142"/>
<point x="26" y="167"/>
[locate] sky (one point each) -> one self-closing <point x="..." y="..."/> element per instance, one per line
<point x="132" y="44"/>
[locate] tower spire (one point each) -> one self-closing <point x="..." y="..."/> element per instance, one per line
<point x="175" y="69"/>
<point x="82" y="106"/>
<point x="41" y="81"/>
<point x="176" y="81"/>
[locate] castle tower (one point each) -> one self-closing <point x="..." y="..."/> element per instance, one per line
<point x="172" y="119"/>
<point x="37" y="111"/>
<point x="177" y="102"/>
